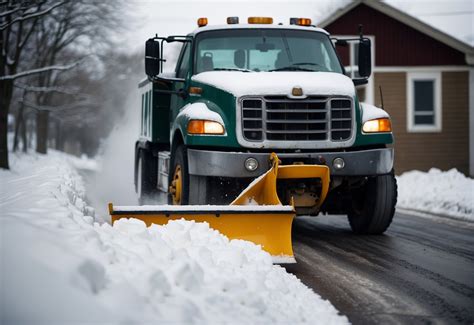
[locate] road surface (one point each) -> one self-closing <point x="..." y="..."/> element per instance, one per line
<point x="420" y="271"/>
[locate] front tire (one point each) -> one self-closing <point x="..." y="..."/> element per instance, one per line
<point x="185" y="189"/>
<point x="373" y="206"/>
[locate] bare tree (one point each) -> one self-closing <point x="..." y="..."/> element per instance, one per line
<point x="85" y="24"/>
<point x="50" y="33"/>
<point x="18" y="20"/>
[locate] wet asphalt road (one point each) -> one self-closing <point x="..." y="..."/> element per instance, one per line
<point x="420" y="271"/>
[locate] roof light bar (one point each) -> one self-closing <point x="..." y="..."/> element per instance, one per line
<point x="260" y="20"/>
<point x="232" y="20"/>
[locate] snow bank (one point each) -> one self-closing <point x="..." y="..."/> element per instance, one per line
<point x="446" y="193"/>
<point x="59" y="266"/>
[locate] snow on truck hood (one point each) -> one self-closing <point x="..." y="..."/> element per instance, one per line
<point x="278" y="82"/>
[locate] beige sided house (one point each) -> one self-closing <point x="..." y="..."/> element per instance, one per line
<point x="427" y="80"/>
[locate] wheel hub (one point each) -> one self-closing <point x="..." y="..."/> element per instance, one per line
<point x="176" y="187"/>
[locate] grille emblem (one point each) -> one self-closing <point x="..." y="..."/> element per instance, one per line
<point x="297" y="91"/>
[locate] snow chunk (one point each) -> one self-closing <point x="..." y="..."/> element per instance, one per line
<point x="199" y="111"/>
<point x="448" y="193"/>
<point x="371" y="112"/>
<point x="278" y="82"/>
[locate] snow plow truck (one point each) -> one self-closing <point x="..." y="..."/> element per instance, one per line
<point x="257" y="124"/>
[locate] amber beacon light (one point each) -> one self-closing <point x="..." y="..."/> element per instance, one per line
<point x="202" y="22"/>
<point x="260" y="20"/>
<point x="303" y="22"/>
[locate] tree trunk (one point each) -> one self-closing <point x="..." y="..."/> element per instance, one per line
<point x="23" y="134"/>
<point x="59" y="142"/>
<point x="6" y="91"/>
<point x="19" y="122"/>
<point x="42" y="119"/>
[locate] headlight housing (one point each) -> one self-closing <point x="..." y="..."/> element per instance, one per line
<point x="205" y="127"/>
<point x="377" y="125"/>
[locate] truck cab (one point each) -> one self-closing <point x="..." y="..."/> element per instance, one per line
<point x="242" y="91"/>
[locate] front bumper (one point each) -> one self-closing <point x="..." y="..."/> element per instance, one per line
<point x="231" y="164"/>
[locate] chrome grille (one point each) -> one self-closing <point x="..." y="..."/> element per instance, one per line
<point x="341" y="119"/>
<point x="279" y="118"/>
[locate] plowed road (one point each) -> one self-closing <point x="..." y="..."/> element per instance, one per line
<point x="420" y="271"/>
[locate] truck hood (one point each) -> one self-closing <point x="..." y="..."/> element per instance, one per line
<point x="277" y="83"/>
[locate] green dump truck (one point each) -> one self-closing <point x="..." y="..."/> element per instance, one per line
<point x="242" y="91"/>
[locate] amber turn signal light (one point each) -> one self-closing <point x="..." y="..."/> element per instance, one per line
<point x="378" y="125"/>
<point x="195" y="90"/>
<point x="205" y="127"/>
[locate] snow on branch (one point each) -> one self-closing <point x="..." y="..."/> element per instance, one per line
<point x="40" y="70"/>
<point x="62" y="90"/>
<point x="80" y="104"/>
<point x="30" y="16"/>
<point x="9" y="12"/>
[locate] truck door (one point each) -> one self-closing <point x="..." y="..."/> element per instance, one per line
<point x="182" y="71"/>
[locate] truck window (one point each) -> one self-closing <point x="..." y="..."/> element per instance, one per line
<point x="265" y="50"/>
<point x="183" y="67"/>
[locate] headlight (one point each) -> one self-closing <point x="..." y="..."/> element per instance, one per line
<point x="378" y="125"/>
<point x="205" y="127"/>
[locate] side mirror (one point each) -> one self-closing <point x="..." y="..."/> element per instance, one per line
<point x="365" y="60"/>
<point x="152" y="58"/>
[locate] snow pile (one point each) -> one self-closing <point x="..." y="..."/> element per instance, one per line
<point x="59" y="266"/>
<point x="446" y="193"/>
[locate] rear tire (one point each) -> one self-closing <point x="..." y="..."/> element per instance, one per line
<point x="185" y="189"/>
<point x="146" y="177"/>
<point x="373" y="206"/>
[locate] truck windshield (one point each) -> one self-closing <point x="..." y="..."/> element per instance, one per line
<point x="250" y="50"/>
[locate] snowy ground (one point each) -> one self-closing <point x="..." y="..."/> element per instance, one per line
<point x="447" y="193"/>
<point x="60" y="266"/>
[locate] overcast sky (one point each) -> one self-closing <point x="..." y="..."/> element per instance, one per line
<point x="167" y="17"/>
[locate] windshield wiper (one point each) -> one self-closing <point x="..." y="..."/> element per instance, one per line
<point x="232" y="69"/>
<point x="306" y="63"/>
<point x="292" y="68"/>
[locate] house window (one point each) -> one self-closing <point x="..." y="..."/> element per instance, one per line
<point x="424" y="102"/>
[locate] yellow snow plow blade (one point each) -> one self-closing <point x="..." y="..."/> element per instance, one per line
<point x="256" y="215"/>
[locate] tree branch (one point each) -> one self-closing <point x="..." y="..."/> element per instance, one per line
<point x="58" y="108"/>
<point x="40" y="70"/>
<point x="61" y="90"/>
<point x="34" y="15"/>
